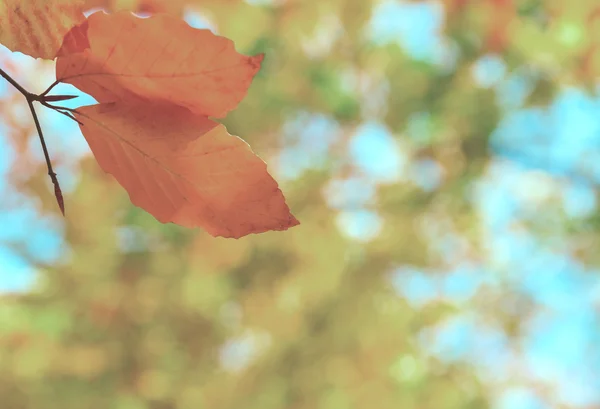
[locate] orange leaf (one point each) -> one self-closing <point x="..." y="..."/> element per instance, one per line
<point x="75" y="41"/>
<point x="160" y="58"/>
<point x="184" y="168"/>
<point x="37" y="27"/>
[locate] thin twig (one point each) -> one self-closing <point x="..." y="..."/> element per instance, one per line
<point x="30" y="99"/>
<point x="14" y="83"/>
<point x="57" y="191"/>
<point x="49" y="105"/>
<point x="68" y="115"/>
<point x="68" y="111"/>
<point x="54" y="84"/>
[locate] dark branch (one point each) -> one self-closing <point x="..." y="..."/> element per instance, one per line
<point x="14" y="83"/>
<point x="68" y="112"/>
<point x="43" y="99"/>
<point x="54" y="84"/>
<point x="57" y="191"/>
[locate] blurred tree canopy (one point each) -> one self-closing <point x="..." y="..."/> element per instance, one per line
<point x="133" y="314"/>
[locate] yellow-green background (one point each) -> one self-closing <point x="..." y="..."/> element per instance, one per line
<point x="442" y="158"/>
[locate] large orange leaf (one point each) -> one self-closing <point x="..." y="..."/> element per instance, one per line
<point x="184" y="168"/>
<point x="37" y="27"/>
<point x="160" y="58"/>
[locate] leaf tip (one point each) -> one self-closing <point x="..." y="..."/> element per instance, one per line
<point x="256" y="61"/>
<point x="293" y="221"/>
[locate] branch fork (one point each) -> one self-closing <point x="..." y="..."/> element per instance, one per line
<point x="46" y="100"/>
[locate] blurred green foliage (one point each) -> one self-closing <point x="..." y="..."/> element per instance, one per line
<point x="140" y="315"/>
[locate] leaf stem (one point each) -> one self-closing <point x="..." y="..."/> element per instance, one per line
<point x="54" y="84"/>
<point x="40" y="98"/>
<point x="68" y="112"/>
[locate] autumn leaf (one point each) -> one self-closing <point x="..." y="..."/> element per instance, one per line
<point x="37" y="27"/>
<point x="158" y="81"/>
<point x="74" y="41"/>
<point x="184" y="168"/>
<point x="160" y="58"/>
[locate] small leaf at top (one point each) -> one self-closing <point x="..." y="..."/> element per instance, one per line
<point x="159" y="58"/>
